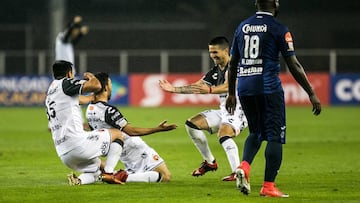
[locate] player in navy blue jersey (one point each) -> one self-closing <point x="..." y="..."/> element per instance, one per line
<point x="255" y="50"/>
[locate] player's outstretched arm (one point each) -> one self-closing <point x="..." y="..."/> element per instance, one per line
<point x="139" y="131"/>
<point x="186" y="89"/>
<point x="297" y="71"/>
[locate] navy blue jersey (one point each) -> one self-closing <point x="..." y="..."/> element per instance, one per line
<point x="257" y="42"/>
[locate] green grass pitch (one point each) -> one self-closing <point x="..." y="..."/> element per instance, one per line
<point x="320" y="164"/>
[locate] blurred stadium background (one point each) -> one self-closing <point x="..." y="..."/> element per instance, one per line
<point x="167" y="35"/>
<point x="170" y="36"/>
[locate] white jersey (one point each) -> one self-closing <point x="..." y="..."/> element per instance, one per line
<point x="64" y="50"/>
<point x="137" y="156"/>
<point x="215" y="77"/>
<point x="64" y="114"/>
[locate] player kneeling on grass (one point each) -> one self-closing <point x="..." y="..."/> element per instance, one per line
<point x="78" y="149"/>
<point x="142" y="163"/>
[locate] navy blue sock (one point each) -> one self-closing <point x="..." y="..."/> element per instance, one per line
<point x="273" y="157"/>
<point x="251" y="147"/>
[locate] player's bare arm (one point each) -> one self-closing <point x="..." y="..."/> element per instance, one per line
<point x="297" y="71"/>
<point x="168" y="87"/>
<point x="231" y="99"/>
<point x="91" y="84"/>
<point x="203" y="88"/>
<point x="139" y="131"/>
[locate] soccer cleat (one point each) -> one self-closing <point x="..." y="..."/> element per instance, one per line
<point x="271" y="192"/>
<point x="231" y="177"/>
<point x="205" y="167"/>
<point x="73" y="179"/>
<point x="114" y="178"/>
<point x="242" y="181"/>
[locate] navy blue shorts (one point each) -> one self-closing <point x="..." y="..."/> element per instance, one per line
<point x="266" y="116"/>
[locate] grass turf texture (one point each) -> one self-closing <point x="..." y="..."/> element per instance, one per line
<point x="320" y="163"/>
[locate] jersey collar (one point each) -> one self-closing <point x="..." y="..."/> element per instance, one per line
<point x="264" y="13"/>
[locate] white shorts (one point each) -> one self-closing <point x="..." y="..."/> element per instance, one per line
<point x="85" y="157"/>
<point x="138" y="157"/>
<point x="215" y="118"/>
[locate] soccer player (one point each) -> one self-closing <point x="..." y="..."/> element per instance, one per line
<point x="254" y="58"/>
<point x="67" y="39"/>
<point x="78" y="149"/>
<point x="142" y="163"/>
<point x="215" y="120"/>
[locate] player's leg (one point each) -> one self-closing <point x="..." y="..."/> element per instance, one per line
<point x="225" y="136"/>
<point x="164" y="171"/>
<point x="252" y="107"/>
<point x="194" y="127"/>
<point x="231" y="126"/>
<point x="147" y="177"/>
<point x="85" y="158"/>
<point x="115" y="149"/>
<point x="275" y="128"/>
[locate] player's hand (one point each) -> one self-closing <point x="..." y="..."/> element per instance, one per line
<point x="316" y="104"/>
<point x="77" y="19"/>
<point x="231" y="104"/>
<point x="84" y="30"/>
<point x="164" y="127"/>
<point x="166" y="86"/>
<point x="88" y="76"/>
<point x="200" y="88"/>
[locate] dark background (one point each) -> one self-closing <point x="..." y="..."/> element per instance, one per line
<point x="183" y="24"/>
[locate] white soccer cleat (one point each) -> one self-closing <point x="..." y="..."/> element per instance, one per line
<point x="242" y="182"/>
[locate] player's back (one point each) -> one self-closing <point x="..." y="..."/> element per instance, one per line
<point x="258" y="43"/>
<point x="64" y="114"/>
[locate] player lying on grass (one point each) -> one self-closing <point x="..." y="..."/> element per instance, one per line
<point x="78" y="149"/>
<point x="142" y="163"/>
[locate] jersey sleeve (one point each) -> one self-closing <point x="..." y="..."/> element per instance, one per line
<point x="72" y="87"/>
<point x="286" y="43"/>
<point x="114" y="118"/>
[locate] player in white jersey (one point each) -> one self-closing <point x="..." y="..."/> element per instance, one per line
<point x="66" y="40"/>
<point x="78" y="149"/>
<point x="214" y="121"/>
<point x="142" y="163"/>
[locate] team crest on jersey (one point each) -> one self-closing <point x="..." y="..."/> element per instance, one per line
<point x="289" y="41"/>
<point x="215" y="76"/>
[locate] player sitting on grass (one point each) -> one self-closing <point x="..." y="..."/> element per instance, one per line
<point x="142" y="163"/>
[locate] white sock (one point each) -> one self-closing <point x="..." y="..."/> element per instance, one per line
<point x="112" y="157"/>
<point x="89" y="178"/>
<point x="232" y="153"/>
<point x="199" y="139"/>
<point x="148" y="177"/>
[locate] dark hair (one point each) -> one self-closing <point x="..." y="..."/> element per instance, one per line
<point x="265" y="4"/>
<point x="61" y="68"/>
<point x="103" y="79"/>
<point x="221" y="41"/>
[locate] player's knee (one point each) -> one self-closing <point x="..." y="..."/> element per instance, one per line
<point x="189" y="124"/>
<point x="116" y="134"/>
<point x="223" y="139"/>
